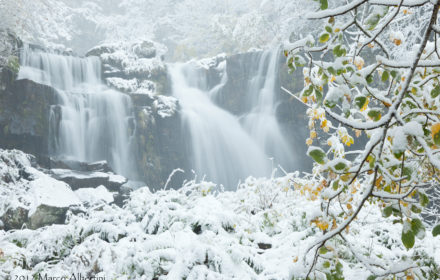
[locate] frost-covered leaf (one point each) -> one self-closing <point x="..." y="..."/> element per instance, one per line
<point x="375" y="114"/>
<point x="416" y="226"/>
<point x="317" y="154"/>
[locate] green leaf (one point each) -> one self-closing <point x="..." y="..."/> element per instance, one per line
<point x="385" y="76"/>
<point x="323" y="250"/>
<point x="329" y="104"/>
<point x="373" y="21"/>
<point x="408" y="239"/>
<point x="324" y="4"/>
<point x="435" y="92"/>
<point x="308" y="91"/>
<point x="360" y="101"/>
<point x="407" y="172"/>
<point x="340" y="166"/>
<point x="387" y="211"/>
<point x="394" y="74"/>
<point x="424" y="200"/>
<point x="317" y="154"/>
<point x="374" y="114"/>
<point x="417" y="226"/>
<point x="436" y="230"/>
<point x="324" y="37"/>
<point x="326" y="264"/>
<point x="328" y="29"/>
<point x="369" y="79"/>
<point x="332" y="71"/>
<point x="318" y="94"/>
<point x="416" y="209"/>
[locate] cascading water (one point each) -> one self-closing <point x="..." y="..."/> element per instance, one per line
<point x="92" y="122"/>
<point x="220" y="147"/>
<point x="224" y="147"/>
<point x="260" y="121"/>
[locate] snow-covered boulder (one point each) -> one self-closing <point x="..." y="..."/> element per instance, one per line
<point x="28" y="196"/>
<point x="145" y="49"/>
<point x="89" y="179"/>
<point x="95" y="196"/>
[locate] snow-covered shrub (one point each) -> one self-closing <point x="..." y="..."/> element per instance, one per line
<point x="260" y="231"/>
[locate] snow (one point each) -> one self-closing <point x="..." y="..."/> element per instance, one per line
<point x="94" y="196"/>
<point x="66" y="173"/>
<point x="119" y="179"/>
<point x="166" y="106"/>
<point x="28" y="193"/>
<point x="201" y="230"/>
<point x="413" y="128"/>
<point x="123" y="84"/>
<point x="48" y="191"/>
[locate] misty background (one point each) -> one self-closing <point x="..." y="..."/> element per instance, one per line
<point x="186" y="28"/>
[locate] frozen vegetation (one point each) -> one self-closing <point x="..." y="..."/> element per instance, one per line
<point x="260" y="231"/>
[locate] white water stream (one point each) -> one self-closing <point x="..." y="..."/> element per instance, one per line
<point x="227" y="148"/>
<point x="92" y="122"/>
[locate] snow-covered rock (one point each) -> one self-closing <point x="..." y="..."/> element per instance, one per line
<point x="145" y="49"/>
<point x="89" y="179"/>
<point x="95" y="196"/>
<point x="166" y="106"/>
<point x="28" y="196"/>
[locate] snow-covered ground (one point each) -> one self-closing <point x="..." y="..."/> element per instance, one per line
<point x="260" y="231"/>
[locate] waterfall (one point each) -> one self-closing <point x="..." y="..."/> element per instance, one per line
<point x="220" y="147"/>
<point x="227" y="148"/>
<point x="260" y="121"/>
<point x="92" y="122"/>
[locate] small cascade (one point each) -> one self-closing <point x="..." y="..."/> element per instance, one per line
<point x="92" y="122"/>
<point x="221" y="149"/>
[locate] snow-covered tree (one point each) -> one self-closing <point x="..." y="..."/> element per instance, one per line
<point x="373" y="71"/>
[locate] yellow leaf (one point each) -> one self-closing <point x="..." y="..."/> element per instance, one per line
<point x="435" y="132"/>
<point x="365" y="104"/>
<point x="334" y="225"/>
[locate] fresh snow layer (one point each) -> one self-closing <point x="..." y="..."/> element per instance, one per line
<point x="94" y="196"/>
<point x="51" y="192"/>
<point x="260" y="231"/>
<point x="26" y="187"/>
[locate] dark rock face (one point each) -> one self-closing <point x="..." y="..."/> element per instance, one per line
<point x="24" y="116"/>
<point x="44" y="215"/>
<point x="14" y="218"/>
<point x="161" y="147"/>
<point x="47" y="215"/>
